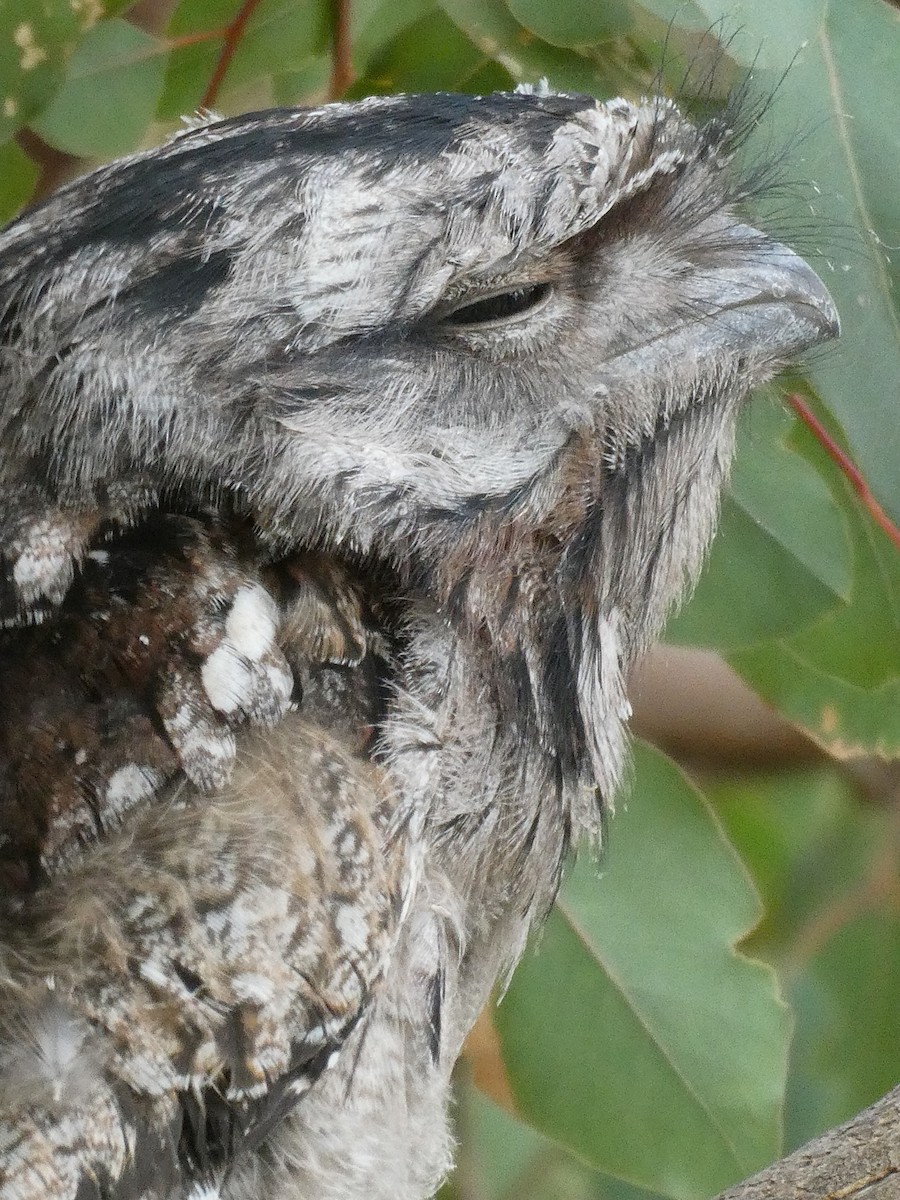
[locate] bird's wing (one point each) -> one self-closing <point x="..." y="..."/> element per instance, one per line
<point x="202" y="868"/>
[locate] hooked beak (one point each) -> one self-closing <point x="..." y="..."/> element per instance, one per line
<point x="772" y="297"/>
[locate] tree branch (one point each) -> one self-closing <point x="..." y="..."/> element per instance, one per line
<point x="856" y="1161"/>
<point x="341" y="64"/>
<point x="232" y="37"/>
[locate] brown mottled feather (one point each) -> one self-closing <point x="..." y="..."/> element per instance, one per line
<point x="232" y="993"/>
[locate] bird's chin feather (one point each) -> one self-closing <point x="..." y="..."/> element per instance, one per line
<point x="561" y="600"/>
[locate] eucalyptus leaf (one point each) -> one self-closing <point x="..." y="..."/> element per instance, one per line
<point x="527" y="58"/>
<point x="835" y="69"/>
<point x="18" y="175"/>
<point x="505" y="1159"/>
<point x="112" y="85"/>
<point x="432" y="52"/>
<point x="376" y="23"/>
<point x="846" y="720"/>
<point x="847" y="1049"/>
<point x="819" y="853"/>
<point x="572" y="22"/>
<point x="281" y="36"/>
<point x="638" y="1014"/>
<point x="35" y="41"/>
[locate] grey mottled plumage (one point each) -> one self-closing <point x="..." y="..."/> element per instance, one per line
<point x="348" y="459"/>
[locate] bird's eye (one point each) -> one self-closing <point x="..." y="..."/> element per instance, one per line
<point x="501" y="306"/>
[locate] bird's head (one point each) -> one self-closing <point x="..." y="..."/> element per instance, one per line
<point x="496" y="344"/>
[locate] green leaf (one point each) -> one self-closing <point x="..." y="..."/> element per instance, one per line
<point x="432" y="53"/>
<point x="860" y="642"/>
<point x="35" y="40"/>
<point x="110" y="8"/>
<point x="502" y="1158"/>
<point x="839" y="680"/>
<point x="686" y="13"/>
<point x="190" y="65"/>
<point x="624" y="60"/>
<point x="782" y="556"/>
<point x="18" y="175"/>
<point x="109" y="96"/>
<point x="280" y="37"/>
<point x="752" y="589"/>
<point x="847" y="1050"/>
<point x="308" y="79"/>
<point x="833" y="108"/>
<point x="788" y="499"/>
<point x="572" y="22"/>
<point x="375" y="23"/>
<point x="825" y="859"/>
<point x="808" y="840"/>
<point x="637" y="1035"/>
<point x="491" y="27"/>
<point x="846" y="720"/>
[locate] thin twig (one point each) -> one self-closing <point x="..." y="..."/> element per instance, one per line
<point x="879" y="889"/>
<point x="341" y="63"/>
<point x="846" y="465"/>
<point x="194" y="39"/>
<point x="232" y="37"/>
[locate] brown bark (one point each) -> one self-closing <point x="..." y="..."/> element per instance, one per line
<point x="856" y="1161"/>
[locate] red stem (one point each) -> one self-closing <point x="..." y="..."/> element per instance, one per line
<point x="341" y="64"/>
<point x="194" y="39"/>
<point x="846" y="465"/>
<point x="233" y="34"/>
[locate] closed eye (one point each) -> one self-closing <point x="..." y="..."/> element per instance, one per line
<point x="501" y="307"/>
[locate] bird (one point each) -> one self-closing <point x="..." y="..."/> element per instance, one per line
<point x="349" y="458"/>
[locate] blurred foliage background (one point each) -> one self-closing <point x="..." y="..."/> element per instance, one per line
<point x="725" y="984"/>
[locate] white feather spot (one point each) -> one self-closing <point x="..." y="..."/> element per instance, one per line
<point x="255" y="988"/>
<point x="353" y="927"/>
<point x="55" y="1058"/>
<point x="36" y="571"/>
<point x="251" y="623"/>
<point x="153" y="973"/>
<point x="281" y="682"/>
<point x="129" y="785"/>
<point x="226" y="679"/>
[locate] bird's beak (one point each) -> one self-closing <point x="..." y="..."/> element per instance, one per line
<point x="769" y="296"/>
<point x="757" y="301"/>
